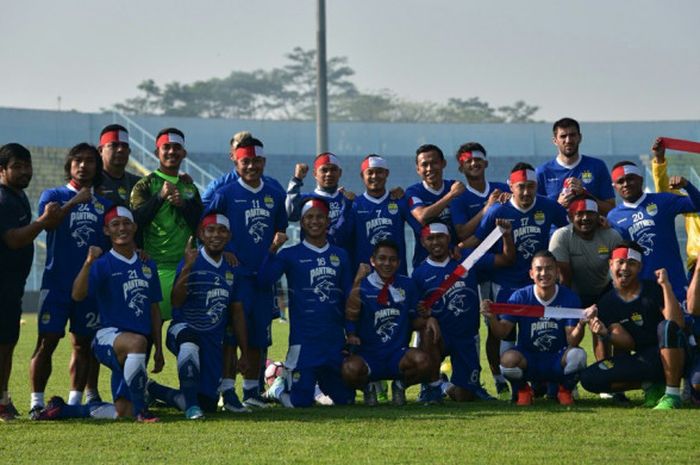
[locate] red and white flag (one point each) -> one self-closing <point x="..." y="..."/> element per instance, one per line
<point x="537" y="311"/>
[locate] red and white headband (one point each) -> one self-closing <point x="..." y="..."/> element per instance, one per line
<point x="215" y="218"/>
<point x="626" y="253"/>
<point x="434" y="228"/>
<point x="314" y="203"/>
<point x="170" y="138"/>
<point x="583" y="205"/>
<point x="114" y="136"/>
<point x="522" y="176"/>
<point x="373" y="162"/>
<point x="251" y="151"/>
<point x="326" y="159"/>
<point x="624" y="170"/>
<point x="116" y="212"/>
<point x="464" y="156"/>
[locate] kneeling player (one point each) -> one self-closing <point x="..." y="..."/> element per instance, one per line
<point x="380" y="313"/>
<point x="643" y="319"/>
<point x="547" y="348"/>
<point x="693" y="376"/>
<point x="206" y="296"/>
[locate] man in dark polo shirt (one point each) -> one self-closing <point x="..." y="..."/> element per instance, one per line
<point x="17" y="234"/>
<point x="114" y="150"/>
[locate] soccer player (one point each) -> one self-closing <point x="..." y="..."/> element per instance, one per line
<point x="649" y="220"/>
<point x="81" y="216"/>
<point x="380" y="314"/>
<point x="255" y="210"/>
<point x="114" y="149"/>
<point x="376" y="215"/>
<point x="571" y="174"/>
<point x="167" y="210"/>
<point x="643" y="320"/>
<point x="457" y="311"/>
<point x="207" y="296"/>
<point x="693" y="372"/>
<point x="17" y="231"/>
<point x="327" y="172"/>
<point x="127" y="290"/>
<point x="547" y="348"/>
<point x="318" y="282"/>
<point x="430" y="199"/>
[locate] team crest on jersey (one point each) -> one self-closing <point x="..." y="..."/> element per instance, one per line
<point x="587" y="177"/>
<point x="99" y="208"/>
<point x="637" y="319"/>
<point x="121" y="191"/>
<point x="45" y="318"/>
<point x="147" y="271"/>
<point x="335" y="261"/>
<point x="603" y="251"/>
<point x="539" y="217"/>
<point x="269" y="202"/>
<point x="188" y="192"/>
<point x="652" y="209"/>
<point x="229" y="278"/>
<point x="393" y="208"/>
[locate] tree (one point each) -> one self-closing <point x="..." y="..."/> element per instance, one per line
<point x="519" y="112"/>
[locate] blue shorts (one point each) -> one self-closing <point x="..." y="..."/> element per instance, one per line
<point x="210" y="355"/>
<point x="56" y="308"/>
<point x="464" y="356"/>
<point x="543" y="366"/>
<point x="103" y="347"/>
<point x="307" y="366"/>
<point x="383" y="365"/>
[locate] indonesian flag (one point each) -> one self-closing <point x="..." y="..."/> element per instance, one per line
<point x="681" y="145"/>
<point x="537" y="311"/>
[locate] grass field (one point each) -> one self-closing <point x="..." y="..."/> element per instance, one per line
<point x="592" y="431"/>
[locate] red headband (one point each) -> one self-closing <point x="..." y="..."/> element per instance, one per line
<point x="116" y="212"/>
<point x="314" y="203"/>
<point x="583" y="205"/>
<point x="434" y="228"/>
<point x="522" y="176"/>
<point x="464" y="156"/>
<point x="373" y="162"/>
<point x="626" y="253"/>
<point x="116" y="135"/>
<point x="215" y="218"/>
<point x="624" y="170"/>
<point x="170" y="138"/>
<point x="250" y="151"/>
<point x="326" y="159"/>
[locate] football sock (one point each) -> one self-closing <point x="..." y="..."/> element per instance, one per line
<point x="135" y="377"/>
<point x="499" y="378"/>
<point x="75" y="411"/>
<point x="165" y="394"/>
<point x="75" y="398"/>
<point x="37" y="399"/>
<point x="103" y="411"/>
<point x="226" y="384"/>
<point x="251" y="387"/>
<point x="91" y="395"/>
<point x="188" y="372"/>
<point x="575" y="360"/>
<point x="673" y="391"/>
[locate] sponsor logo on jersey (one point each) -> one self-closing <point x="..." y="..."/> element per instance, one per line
<point x="652" y="209"/>
<point x="135" y="294"/>
<point x="393" y="208"/>
<point x="539" y="217"/>
<point x="385" y="324"/>
<point x="587" y="177"/>
<point x="269" y="202"/>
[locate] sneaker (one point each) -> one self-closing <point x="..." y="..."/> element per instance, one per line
<point x="232" y="403"/>
<point x="525" y="394"/>
<point x="668" y="402"/>
<point x="370" y="395"/>
<point x="480" y="393"/>
<point x="253" y="399"/>
<point x="8" y="412"/>
<point x="35" y="411"/>
<point x="433" y="395"/>
<point x="194" y="413"/>
<point x="502" y="391"/>
<point x="564" y="396"/>
<point x="52" y="409"/>
<point x="146" y="417"/>
<point x="398" y="393"/>
<point x="653" y="394"/>
<point x="383" y="392"/>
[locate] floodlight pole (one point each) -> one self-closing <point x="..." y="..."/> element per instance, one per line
<point x="321" y="84"/>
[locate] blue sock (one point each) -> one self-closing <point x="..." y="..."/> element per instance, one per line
<point x="75" y="411"/>
<point x="164" y="394"/>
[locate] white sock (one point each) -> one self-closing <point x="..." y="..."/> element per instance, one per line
<point x="188" y="351"/>
<point x="673" y="391"/>
<point x="91" y="394"/>
<point x="134" y="364"/>
<point x="575" y="360"/>
<point x="432" y="384"/>
<point x="512" y="373"/>
<point x="75" y="397"/>
<point x="226" y="384"/>
<point x="37" y="400"/>
<point x="499" y="378"/>
<point x="250" y="384"/>
<point x="104" y="412"/>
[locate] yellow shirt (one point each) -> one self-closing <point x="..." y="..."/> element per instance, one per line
<point x="692" y="220"/>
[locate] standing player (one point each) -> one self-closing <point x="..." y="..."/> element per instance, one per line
<point x="457" y="311"/>
<point x="430" y="199"/>
<point x="327" y="172"/>
<point x="376" y="216"/>
<point x="167" y="210"/>
<point x="649" y="220"/>
<point x="80" y="226"/>
<point x="643" y="320"/>
<point x="207" y="296"/>
<point x="127" y="291"/>
<point x="571" y="174"/>
<point x="547" y="348"/>
<point x="114" y="149"/>
<point x="381" y="312"/>
<point x="255" y="210"/>
<point x="318" y="282"/>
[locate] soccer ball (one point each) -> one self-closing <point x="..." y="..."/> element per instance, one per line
<point x="272" y="371"/>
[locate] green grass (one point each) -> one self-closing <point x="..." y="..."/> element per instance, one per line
<point x="592" y="431"/>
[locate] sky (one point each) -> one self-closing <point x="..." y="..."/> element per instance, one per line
<point x="594" y="60"/>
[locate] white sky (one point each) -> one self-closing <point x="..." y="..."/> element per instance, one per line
<point x="595" y="60"/>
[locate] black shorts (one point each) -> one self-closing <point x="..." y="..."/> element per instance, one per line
<point x="11" y="292"/>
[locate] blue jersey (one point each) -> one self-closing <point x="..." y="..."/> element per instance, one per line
<point x="471" y="201"/>
<point x="457" y="311"/>
<point x="229" y="178"/>
<point x="377" y="219"/>
<point x="386" y="329"/>
<point x="211" y="289"/>
<point x="650" y="222"/>
<point x="542" y="334"/>
<point x="530" y="233"/>
<point x="67" y="245"/>
<point x="256" y="214"/>
<point x="420" y="195"/>
<point x="339" y="231"/>
<point x="591" y="171"/>
<point x="318" y="282"/>
<point x="124" y="289"/>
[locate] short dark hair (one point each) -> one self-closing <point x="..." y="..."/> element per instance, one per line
<point x="565" y="123"/>
<point x="389" y="243"/>
<point x="113" y="127"/>
<point x="544" y="253"/>
<point x="80" y="148"/>
<point x="629" y="245"/>
<point x="13" y="150"/>
<point x="429" y="148"/>
<point x="522" y="166"/>
<point x="250" y="142"/>
<point x="470" y="147"/>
